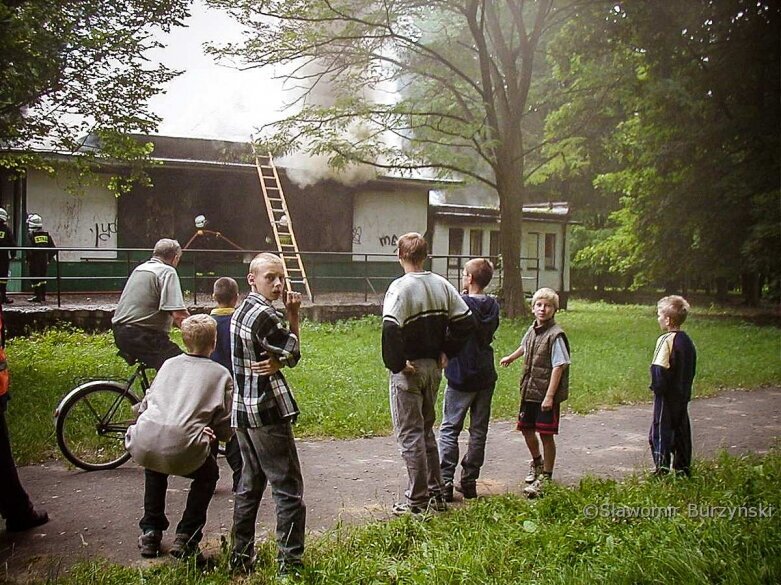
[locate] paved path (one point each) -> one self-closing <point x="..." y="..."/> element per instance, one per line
<point x="96" y="514"/>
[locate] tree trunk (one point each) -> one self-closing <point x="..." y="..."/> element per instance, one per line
<point x="750" y="281"/>
<point x="511" y="203"/>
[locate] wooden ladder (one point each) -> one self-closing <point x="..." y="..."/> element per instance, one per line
<point x="281" y="224"/>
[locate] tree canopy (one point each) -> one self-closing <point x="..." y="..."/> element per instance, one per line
<point x="687" y="146"/>
<point x="71" y="70"/>
<point x="451" y="86"/>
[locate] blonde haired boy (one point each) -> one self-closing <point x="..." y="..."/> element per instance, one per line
<point x="186" y="410"/>
<point x="672" y="373"/>
<point x="263" y="412"/>
<point x="544" y="386"/>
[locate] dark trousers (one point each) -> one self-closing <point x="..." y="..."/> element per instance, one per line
<point x="4" y="267"/>
<point x="233" y="457"/>
<point x="146" y="345"/>
<point x="38" y="269"/>
<point x="671" y="436"/>
<point x="269" y="456"/>
<point x="15" y="504"/>
<point x="194" y="517"/>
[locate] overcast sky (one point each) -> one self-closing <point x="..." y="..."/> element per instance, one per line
<point x="210" y="100"/>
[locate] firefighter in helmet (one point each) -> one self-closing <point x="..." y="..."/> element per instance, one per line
<point x="38" y="259"/>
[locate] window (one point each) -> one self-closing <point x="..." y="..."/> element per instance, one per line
<point x="494" y="248"/>
<point x="475" y="243"/>
<point x="531" y="254"/>
<point x="550" y="251"/>
<point x="455" y="247"/>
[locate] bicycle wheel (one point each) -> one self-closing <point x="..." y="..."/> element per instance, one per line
<point x="91" y="425"/>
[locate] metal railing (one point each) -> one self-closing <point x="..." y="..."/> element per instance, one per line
<point x="83" y="272"/>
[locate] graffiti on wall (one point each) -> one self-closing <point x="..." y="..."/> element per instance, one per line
<point x="103" y="232"/>
<point x="389" y="240"/>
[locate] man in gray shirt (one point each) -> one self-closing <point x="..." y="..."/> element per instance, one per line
<point x="151" y="302"/>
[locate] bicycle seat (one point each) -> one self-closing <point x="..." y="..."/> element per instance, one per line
<point x="131" y="360"/>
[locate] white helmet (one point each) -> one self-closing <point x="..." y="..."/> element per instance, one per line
<point x="34" y="221"/>
<point x="3" y="214"/>
<point x="200" y="221"/>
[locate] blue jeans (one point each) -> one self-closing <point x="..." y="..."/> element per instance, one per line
<point x="457" y="405"/>
<point x="412" y="401"/>
<point x="269" y="456"/>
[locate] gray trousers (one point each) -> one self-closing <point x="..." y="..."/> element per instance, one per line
<point x="269" y="455"/>
<point x="412" y="402"/>
<point x="457" y="405"/>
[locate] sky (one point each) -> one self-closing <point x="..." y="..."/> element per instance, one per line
<point x="210" y="100"/>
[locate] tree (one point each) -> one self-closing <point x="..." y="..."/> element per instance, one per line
<point x="468" y="97"/>
<point x="695" y="154"/>
<point x="73" y="70"/>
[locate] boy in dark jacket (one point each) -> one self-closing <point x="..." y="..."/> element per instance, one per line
<point x="226" y="295"/>
<point x="672" y="374"/>
<point x="471" y="378"/>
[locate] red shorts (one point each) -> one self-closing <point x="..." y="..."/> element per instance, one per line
<point x="532" y="417"/>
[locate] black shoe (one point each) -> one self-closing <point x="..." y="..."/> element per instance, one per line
<point x="7" y="301"/>
<point x="447" y="492"/>
<point x="149" y="543"/>
<point x="36" y="518"/>
<point x="241" y="563"/>
<point x="185" y="546"/>
<point x="290" y="569"/>
<point x="469" y="490"/>
<point x="34" y="300"/>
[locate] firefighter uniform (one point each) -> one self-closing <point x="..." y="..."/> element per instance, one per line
<point x="38" y="262"/>
<point x="7" y="241"/>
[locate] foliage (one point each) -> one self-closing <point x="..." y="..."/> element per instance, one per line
<point x="689" y="141"/>
<point x="580" y="535"/>
<point x="76" y="78"/>
<point x="454" y="87"/>
<point x="341" y="384"/>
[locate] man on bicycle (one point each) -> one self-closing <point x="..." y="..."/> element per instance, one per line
<point x="151" y="302"/>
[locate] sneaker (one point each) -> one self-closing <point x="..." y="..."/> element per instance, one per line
<point x="405" y="509"/>
<point x="149" y="543"/>
<point x="447" y="492"/>
<point x="437" y="503"/>
<point x="469" y="490"/>
<point x="36" y="518"/>
<point x="535" y="469"/>
<point x="535" y="489"/>
<point x="184" y="546"/>
<point x="34" y="300"/>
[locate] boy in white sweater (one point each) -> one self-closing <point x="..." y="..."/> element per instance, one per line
<point x="183" y="415"/>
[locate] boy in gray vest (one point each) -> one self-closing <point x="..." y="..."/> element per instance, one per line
<point x="544" y="386"/>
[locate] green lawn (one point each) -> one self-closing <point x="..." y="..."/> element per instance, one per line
<point x="341" y="384"/>
<point x="637" y="531"/>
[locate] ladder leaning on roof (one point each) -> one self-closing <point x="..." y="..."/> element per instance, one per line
<point x="281" y="224"/>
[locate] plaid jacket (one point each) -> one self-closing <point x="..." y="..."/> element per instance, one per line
<point x="257" y="332"/>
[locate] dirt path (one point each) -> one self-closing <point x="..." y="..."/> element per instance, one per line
<point x="96" y="514"/>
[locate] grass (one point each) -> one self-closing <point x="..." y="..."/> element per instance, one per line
<point x="341" y="384"/>
<point x="678" y="536"/>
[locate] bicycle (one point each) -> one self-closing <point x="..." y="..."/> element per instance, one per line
<point x="92" y="419"/>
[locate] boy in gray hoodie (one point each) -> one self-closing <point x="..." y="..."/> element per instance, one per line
<point x="471" y="378"/>
<point x="183" y="415"/>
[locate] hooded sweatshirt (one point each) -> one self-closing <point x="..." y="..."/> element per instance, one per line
<point x="473" y="368"/>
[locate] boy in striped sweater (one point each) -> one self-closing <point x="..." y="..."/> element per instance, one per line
<point x="424" y="322"/>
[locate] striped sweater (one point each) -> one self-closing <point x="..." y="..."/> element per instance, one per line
<point x="422" y="316"/>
